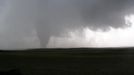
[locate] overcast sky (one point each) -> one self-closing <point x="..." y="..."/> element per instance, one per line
<point x="31" y="23"/>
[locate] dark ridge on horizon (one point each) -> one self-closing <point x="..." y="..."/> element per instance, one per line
<point x="70" y="49"/>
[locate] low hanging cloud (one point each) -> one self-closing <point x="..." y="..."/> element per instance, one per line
<point x="85" y="37"/>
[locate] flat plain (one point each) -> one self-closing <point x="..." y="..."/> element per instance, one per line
<point x="71" y="61"/>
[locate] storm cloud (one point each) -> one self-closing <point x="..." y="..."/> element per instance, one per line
<point x="31" y="23"/>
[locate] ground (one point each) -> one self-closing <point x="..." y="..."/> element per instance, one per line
<point x="73" y="61"/>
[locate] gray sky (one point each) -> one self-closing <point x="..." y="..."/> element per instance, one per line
<point x="37" y="20"/>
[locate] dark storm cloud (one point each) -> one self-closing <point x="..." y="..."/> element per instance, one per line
<point x="97" y="13"/>
<point x="106" y="12"/>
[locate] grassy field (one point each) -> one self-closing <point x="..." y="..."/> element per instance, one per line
<point x="73" y="61"/>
